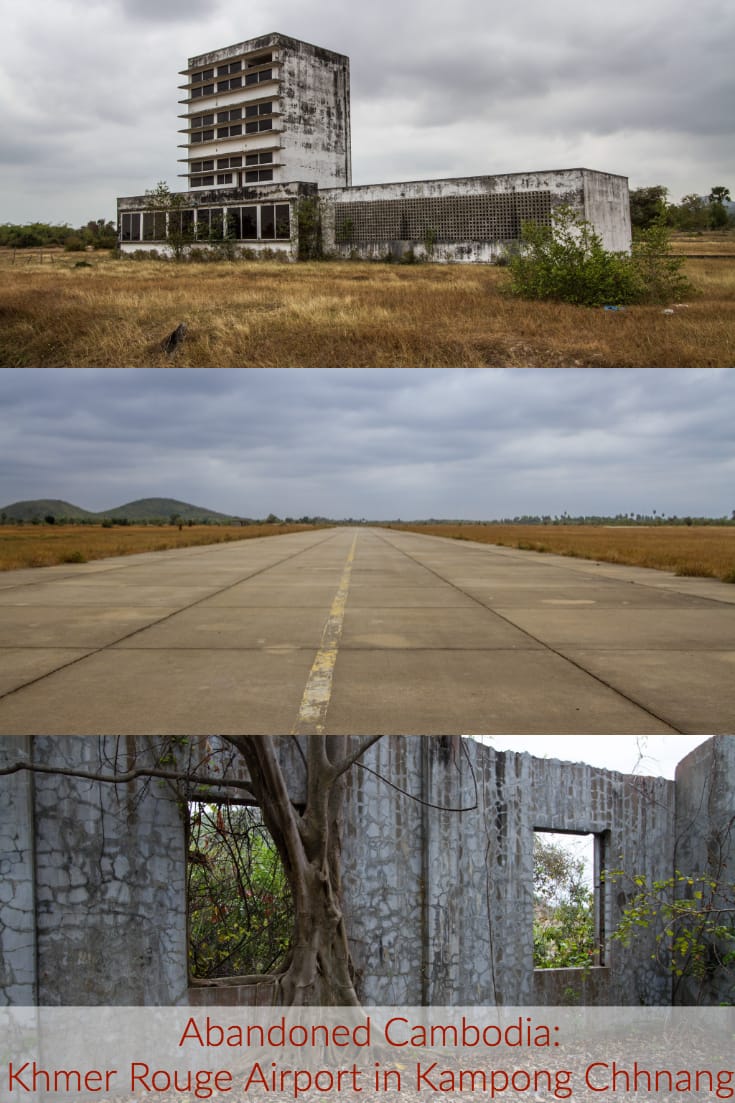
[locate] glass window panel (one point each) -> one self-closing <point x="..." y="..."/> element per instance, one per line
<point x="266" y="74"/>
<point x="236" y="82"/>
<point x="207" y="135"/>
<point x="196" y="93"/>
<point x="223" y="116"/>
<point x="235" y="162"/>
<point x="267" y="221"/>
<point x="234" y="223"/>
<point x="235" y="130"/>
<point x="223" y="131"/>
<point x="251" y="78"/>
<point x="266" y="158"/>
<point x="249" y="222"/>
<point x="251" y="177"/>
<point x="283" y="222"/>
<point x="236" y="113"/>
<point x="207" y="166"/>
<point x="265" y="124"/>
<point x="223" y="85"/>
<point x="148" y="226"/>
<point x="251" y="159"/>
<point x="266" y="109"/>
<point x="250" y="111"/>
<point x="196" y="137"/>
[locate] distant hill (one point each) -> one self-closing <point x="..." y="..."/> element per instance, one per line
<point x="154" y="509"/>
<point x="144" y="509"/>
<point x="44" y="507"/>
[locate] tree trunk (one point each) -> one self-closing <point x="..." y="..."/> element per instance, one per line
<point x="318" y="970"/>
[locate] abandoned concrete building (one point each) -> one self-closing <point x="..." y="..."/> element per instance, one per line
<point x="437" y="847"/>
<point x="267" y="137"/>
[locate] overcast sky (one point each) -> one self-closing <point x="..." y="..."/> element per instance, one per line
<point x="376" y="444"/>
<point x="654" y="755"/>
<point x="89" y="90"/>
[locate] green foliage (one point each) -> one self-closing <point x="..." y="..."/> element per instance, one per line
<point x="658" y="275"/>
<point x="693" y="920"/>
<point x="563" y="926"/>
<point x="566" y="261"/>
<point x="647" y="205"/>
<point x="308" y="217"/>
<point x="240" y="911"/>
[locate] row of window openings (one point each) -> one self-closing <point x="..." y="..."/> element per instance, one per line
<point x="232" y="131"/>
<point x="231" y="67"/>
<point x="229" y="85"/>
<point x="252" y="176"/>
<point x="267" y="221"/>
<point x="251" y="111"/>
<point x="232" y="162"/>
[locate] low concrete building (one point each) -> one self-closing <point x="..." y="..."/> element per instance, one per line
<point x="268" y="161"/>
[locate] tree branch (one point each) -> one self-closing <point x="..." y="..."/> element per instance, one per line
<point x="128" y="775"/>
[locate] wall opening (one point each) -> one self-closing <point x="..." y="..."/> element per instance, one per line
<point x="568" y="900"/>
<point x="239" y="902"/>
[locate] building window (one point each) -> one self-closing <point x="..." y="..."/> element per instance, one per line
<point x="154" y="226"/>
<point x="224" y="178"/>
<point x="568" y="900"/>
<point x="275" y="221"/>
<point x="130" y="226"/>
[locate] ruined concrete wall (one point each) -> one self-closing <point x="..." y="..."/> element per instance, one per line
<point x="104" y="889"/>
<point x="17" y="880"/>
<point x="705" y="845"/>
<point x="438" y="869"/>
<point x="440" y="894"/>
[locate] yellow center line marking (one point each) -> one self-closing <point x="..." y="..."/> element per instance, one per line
<point x="317" y="694"/>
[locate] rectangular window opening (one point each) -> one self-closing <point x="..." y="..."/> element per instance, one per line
<point x="568" y="899"/>
<point x="240" y="913"/>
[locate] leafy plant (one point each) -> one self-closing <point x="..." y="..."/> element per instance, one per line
<point x="566" y="260"/>
<point x="240" y="911"/>
<point x="694" y="920"/>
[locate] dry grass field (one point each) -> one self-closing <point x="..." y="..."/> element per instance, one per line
<point x="706" y="551"/>
<point x="271" y="314"/>
<point x="47" y="545"/>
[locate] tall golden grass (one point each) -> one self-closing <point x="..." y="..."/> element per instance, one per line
<point x="706" y="551"/>
<point x="48" y="545"/>
<point x="272" y="314"/>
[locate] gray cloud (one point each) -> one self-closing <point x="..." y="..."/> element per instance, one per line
<point x="374" y="443"/>
<point x="89" y="93"/>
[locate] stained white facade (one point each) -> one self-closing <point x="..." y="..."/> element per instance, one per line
<point x="266" y="135"/>
<point x="268" y="110"/>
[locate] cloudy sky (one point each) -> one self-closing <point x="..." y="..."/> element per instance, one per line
<point x="89" y="90"/>
<point x="375" y="444"/>
<point x="654" y="755"/>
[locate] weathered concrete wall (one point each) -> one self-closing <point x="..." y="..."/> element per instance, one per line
<point x="440" y="903"/>
<point x="705" y="845"/>
<point x="468" y="218"/>
<point x="607" y="207"/>
<point x="17" y="880"/>
<point x="438" y="869"/>
<point x="315" y="98"/>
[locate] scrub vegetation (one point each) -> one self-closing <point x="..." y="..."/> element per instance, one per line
<point x="48" y="545"/>
<point x="705" y="551"/>
<point x="106" y="312"/>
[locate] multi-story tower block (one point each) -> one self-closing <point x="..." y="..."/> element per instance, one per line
<point x="269" y="110"/>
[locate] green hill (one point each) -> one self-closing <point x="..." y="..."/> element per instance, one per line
<point x="144" y="509"/>
<point x="163" y="509"/>
<point x="40" y="508"/>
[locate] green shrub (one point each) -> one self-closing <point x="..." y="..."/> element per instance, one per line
<point x="566" y="260"/>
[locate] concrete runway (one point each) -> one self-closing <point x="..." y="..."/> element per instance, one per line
<point x="363" y="631"/>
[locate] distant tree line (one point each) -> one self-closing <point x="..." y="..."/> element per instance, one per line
<point x="695" y="213"/>
<point x="99" y="234"/>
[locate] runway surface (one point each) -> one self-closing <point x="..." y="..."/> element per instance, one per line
<point x="359" y="630"/>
